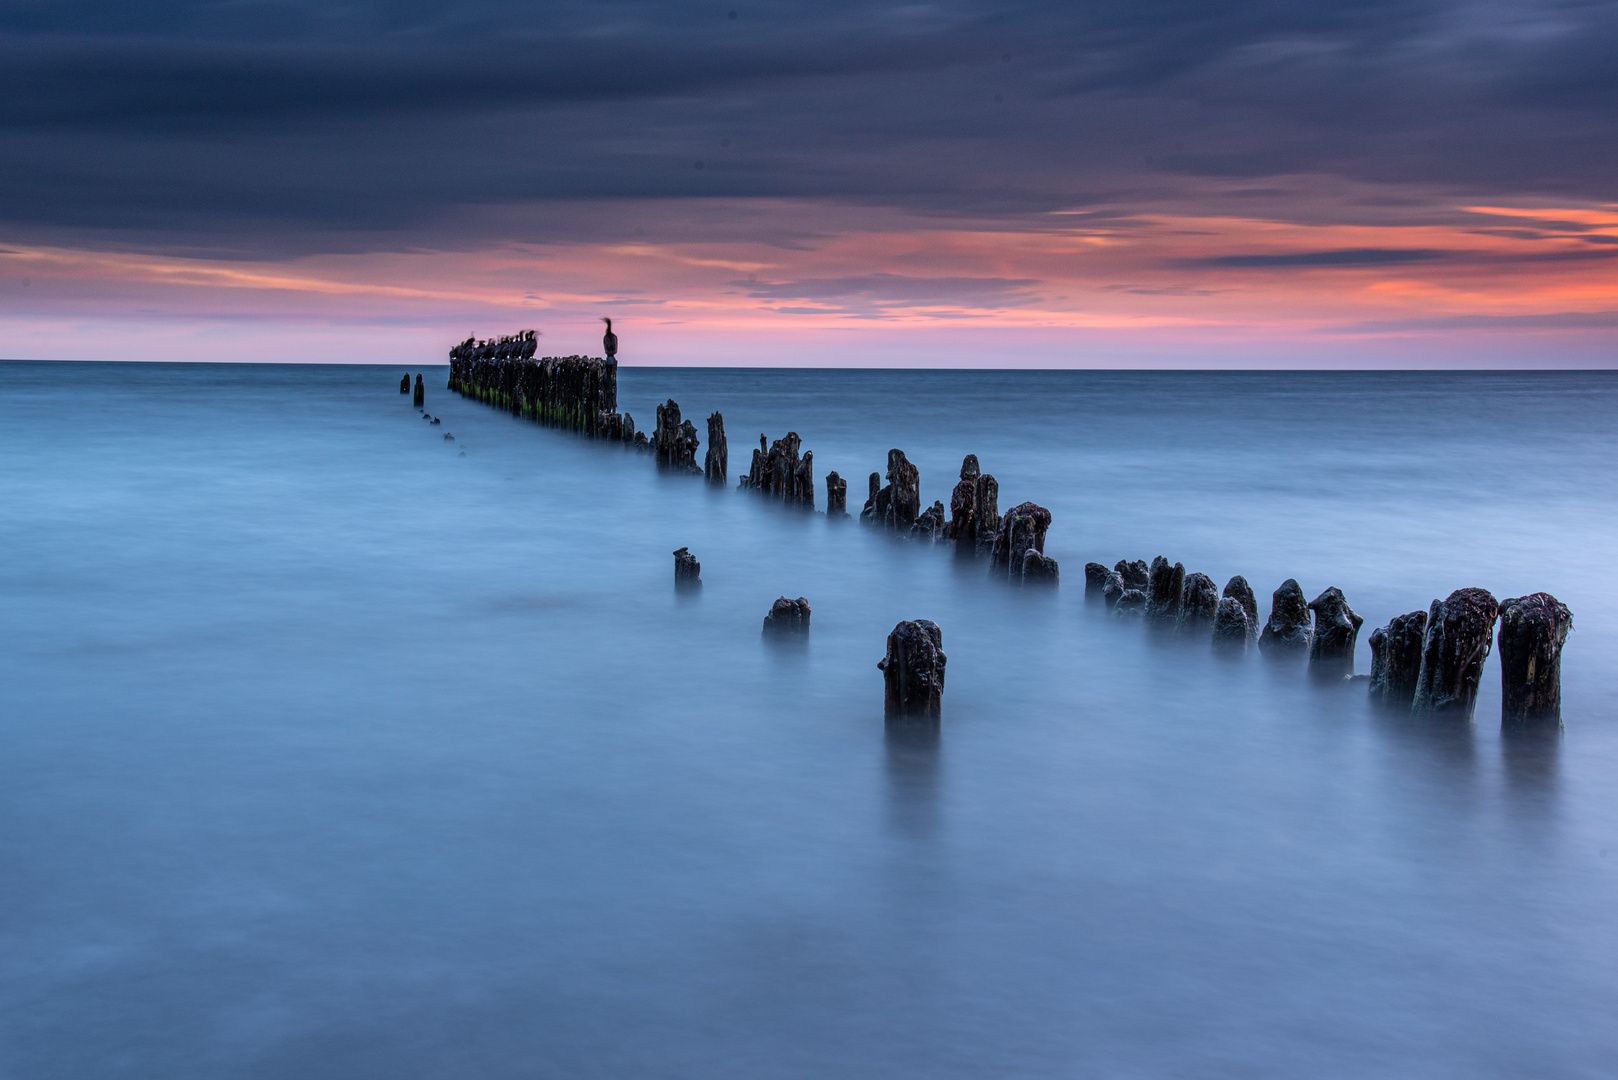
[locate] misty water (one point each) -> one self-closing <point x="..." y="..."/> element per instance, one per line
<point x="333" y="748"/>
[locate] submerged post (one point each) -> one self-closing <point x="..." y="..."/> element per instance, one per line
<point x="404" y="384"/>
<point x="421" y="392"/>
<point x="1532" y="630"/>
<point x="913" y="671"/>
<point x="1456" y="642"/>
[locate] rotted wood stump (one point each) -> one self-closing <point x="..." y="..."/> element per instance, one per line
<point x="1396" y="660"/>
<point x="836" y="495"/>
<point x="421" y="392"/>
<point x="1022" y="529"/>
<point x="1336" y="630"/>
<point x="1165" y="589"/>
<point x="1113" y="589"/>
<point x="1131" y="604"/>
<point x="675" y="440"/>
<point x="687" y="571"/>
<point x="1199" y="607"/>
<point x="1288" y="630"/>
<point x="1040" y="570"/>
<point x="404" y="384"/>
<point x="717" y="462"/>
<point x="1532" y="631"/>
<point x="1456" y="642"/>
<point x="787" y="618"/>
<point x="913" y="671"/>
<point x="1095" y="580"/>
<point x="1239" y="590"/>
<point x="1232" y="629"/>
<point x="1136" y="575"/>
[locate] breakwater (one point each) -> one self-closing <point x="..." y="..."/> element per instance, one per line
<point x="1424" y="663"/>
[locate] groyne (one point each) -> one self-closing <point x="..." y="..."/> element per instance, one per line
<point x="1426" y="664"/>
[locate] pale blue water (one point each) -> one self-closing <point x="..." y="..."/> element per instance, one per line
<point x="328" y="752"/>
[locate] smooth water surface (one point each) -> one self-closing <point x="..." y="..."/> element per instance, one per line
<point x="327" y="751"/>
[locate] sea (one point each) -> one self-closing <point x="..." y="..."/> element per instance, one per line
<point x="335" y="747"/>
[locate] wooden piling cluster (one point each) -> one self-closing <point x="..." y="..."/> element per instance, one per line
<point x="778" y="471"/>
<point x="579" y="393"/>
<point x="1426" y="663"/>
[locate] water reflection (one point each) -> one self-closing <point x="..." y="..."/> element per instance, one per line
<point x="1531" y="757"/>
<point x="913" y="752"/>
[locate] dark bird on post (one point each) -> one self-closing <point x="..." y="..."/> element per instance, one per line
<point x="609" y="340"/>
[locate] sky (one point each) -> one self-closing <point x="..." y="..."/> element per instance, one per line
<point x="1128" y="183"/>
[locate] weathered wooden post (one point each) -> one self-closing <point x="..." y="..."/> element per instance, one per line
<point x="1039" y="569"/>
<point x="836" y="495"/>
<point x="675" y="440"/>
<point x="913" y="671"/>
<point x="687" y="571"/>
<point x="1095" y="580"/>
<point x="904" y="481"/>
<point x="1130" y="604"/>
<point x="1136" y="575"/>
<point x="1532" y="631"/>
<point x="1396" y="660"/>
<point x="1231" y="627"/>
<point x="1456" y="642"/>
<point x="1239" y="590"/>
<point x="872" y="513"/>
<point x="421" y="392"/>
<point x="404" y="384"/>
<point x="1199" y="606"/>
<point x="1337" y="629"/>
<point x="1165" y="589"/>
<point x="1022" y="529"/>
<point x="787" y="618"/>
<point x="1112" y="589"/>
<point x="717" y="462"/>
<point x="1288" y="630"/>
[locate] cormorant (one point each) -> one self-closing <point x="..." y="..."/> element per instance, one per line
<point x="609" y="340"/>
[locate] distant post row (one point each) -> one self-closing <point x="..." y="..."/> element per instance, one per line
<point x="580" y="393"/>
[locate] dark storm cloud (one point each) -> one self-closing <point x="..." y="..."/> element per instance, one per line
<point x="262" y="127"/>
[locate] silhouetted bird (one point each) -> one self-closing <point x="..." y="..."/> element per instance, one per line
<point x="609" y="340"/>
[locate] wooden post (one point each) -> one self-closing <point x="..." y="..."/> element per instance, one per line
<point x="913" y="671"/>
<point x="1532" y="630"/>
